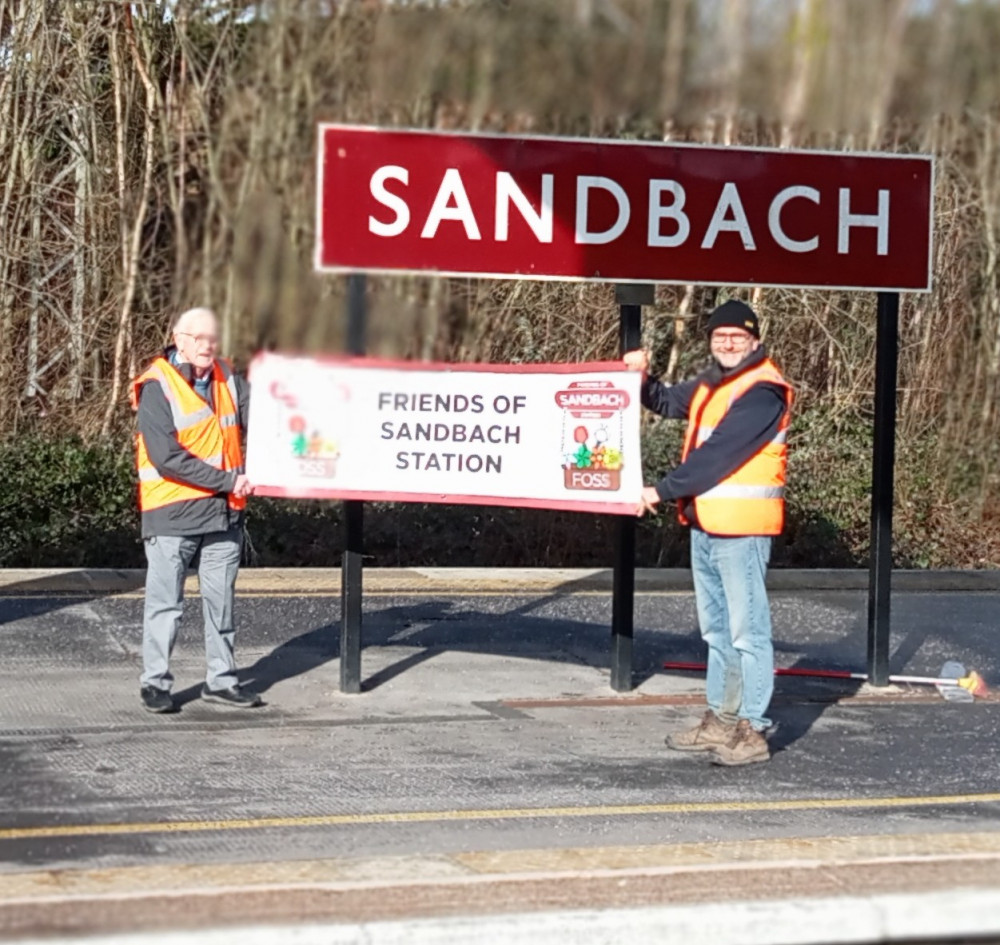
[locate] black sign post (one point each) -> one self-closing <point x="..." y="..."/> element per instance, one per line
<point x="354" y="520"/>
<point x="630" y="298"/>
<point x="883" y="460"/>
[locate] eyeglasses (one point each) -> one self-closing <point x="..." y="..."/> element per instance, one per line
<point x="212" y="340"/>
<point x="737" y="340"/>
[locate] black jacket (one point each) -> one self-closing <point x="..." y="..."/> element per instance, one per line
<point x="752" y="421"/>
<point x="191" y="516"/>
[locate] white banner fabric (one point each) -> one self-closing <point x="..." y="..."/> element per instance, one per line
<point x="560" y="436"/>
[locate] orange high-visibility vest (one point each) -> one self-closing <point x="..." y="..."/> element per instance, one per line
<point x="750" y="501"/>
<point x="213" y="435"/>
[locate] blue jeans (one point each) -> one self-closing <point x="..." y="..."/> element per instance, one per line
<point x="735" y="622"/>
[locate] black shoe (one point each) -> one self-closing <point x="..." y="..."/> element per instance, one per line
<point x="234" y="695"/>
<point x="156" y="700"/>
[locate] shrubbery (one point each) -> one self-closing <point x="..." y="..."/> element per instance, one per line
<point x="70" y="504"/>
<point x="220" y="210"/>
<point x="67" y="504"/>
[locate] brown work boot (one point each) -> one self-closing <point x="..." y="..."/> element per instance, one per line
<point x="746" y="746"/>
<point x="709" y="733"/>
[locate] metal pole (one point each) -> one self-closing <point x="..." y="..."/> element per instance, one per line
<point x="354" y="521"/>
<point x="883" y="461"/>
<point x="631" y="299"/>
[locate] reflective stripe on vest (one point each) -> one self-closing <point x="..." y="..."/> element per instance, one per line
<point x="705" y="432"/>
<point x="212" y="435"/>
<point x="750" y="501"/>
<point x="729" y="490"/>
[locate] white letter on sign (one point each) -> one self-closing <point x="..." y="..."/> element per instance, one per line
<point x="774" y="219"/>
<point x="848" y="219"/>
<point x="508" y="192"/>
<point x="658" y="212"/>
<point x="402" y="221"/>
<point x="583" y="187"/>
<point x="729" y="200"/>
<point x="451" y="187"/>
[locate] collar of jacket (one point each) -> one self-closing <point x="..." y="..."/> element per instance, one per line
<point x="184" y="368"/>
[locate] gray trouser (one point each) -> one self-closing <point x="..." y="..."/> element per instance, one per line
<point x="169" y="558"/>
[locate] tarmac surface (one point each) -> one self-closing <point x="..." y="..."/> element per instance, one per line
<point x="487" y="784"/>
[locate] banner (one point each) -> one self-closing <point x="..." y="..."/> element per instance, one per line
<point x="558" y="436"/>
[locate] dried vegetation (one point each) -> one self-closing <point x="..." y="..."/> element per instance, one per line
<point x="155" y="155"/>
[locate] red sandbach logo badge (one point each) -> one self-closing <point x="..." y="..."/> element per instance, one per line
<point x="592" y="399"/>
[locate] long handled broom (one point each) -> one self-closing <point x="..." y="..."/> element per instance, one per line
<point x="972" y="682"/>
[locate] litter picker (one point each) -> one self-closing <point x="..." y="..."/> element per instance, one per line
<point x="952" y="675"/>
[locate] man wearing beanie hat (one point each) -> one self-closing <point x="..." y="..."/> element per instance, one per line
<point x="729" y="488"/>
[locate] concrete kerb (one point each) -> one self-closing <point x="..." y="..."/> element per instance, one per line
<point x="403" y="581"/>
<point x="952" y="915"/>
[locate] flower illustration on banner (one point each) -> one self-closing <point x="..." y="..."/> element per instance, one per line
<point x="311" y="443"/>
<point x="592" y="451"/>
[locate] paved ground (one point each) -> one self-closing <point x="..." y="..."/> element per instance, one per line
<point x="487" y="773"/>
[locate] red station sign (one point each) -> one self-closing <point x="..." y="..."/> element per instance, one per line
<point x="621" y="211"/>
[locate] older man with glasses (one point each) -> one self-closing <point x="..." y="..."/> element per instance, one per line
<point x="191" y="416"/>
<point x="729" y="488"/>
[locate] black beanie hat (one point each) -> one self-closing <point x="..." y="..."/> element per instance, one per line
<point x="734" y="314"/>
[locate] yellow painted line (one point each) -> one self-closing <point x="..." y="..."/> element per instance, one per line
<point x="524" y="813"/>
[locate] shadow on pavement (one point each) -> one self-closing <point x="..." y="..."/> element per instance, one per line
<point x="800" y="701"/>
<point x="433" y="627"/>
<point x="425" y="629"/>
<point x="49" y="592"/>
<point x="297" y="656"/>
<point x="825" y="630"/>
